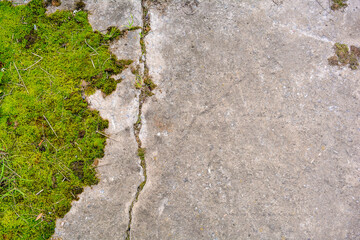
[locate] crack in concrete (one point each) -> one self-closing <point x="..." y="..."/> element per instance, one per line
<point x="146" y="91"/>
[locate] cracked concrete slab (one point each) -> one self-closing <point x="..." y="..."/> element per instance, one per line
<point x="251" y="134"/>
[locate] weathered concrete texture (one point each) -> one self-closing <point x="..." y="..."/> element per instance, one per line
<point x="129" y="46"/>
<point x="251" y="134"/>
<point x="114" y="13"/>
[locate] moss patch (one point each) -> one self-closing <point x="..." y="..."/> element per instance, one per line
<point x="141" y="153"/>
<point x="49" y="139"/>
<point x="338" y="4"/>
<point x="343" y="56"/>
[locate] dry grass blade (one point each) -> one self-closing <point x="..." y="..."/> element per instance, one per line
<point x="91" y="47"/>
<point x="107" y="136"/>
<point x="39" y="216"/>
<point x="50" y="126"/>
<point x="34" y="63"/>
<point x="17" y="70"/>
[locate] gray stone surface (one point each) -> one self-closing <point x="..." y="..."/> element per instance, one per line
<point x="103" y="14"/>
<point x="129" y="46"/>
<point x="251" y="134"/>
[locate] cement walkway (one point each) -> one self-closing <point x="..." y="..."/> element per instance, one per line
<point x="250" y="134"/>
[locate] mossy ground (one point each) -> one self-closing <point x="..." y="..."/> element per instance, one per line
<point x="48" y="136"/>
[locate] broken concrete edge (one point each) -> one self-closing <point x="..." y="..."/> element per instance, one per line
<point x="146" y="87"/>
<point x="122" y="32"/>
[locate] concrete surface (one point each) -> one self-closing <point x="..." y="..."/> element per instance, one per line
<point x="250" y="133"/>
<point x="107" y="13"/>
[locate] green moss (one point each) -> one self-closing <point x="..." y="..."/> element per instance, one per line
<point x="342" y="52"/>
<point x="48" y="137"/>
<point x="114" y="33"/>
<point x="142" y="44"/>
<point x="141" y="153"/>
<point x="149" y="83"/>
<point x="343" y="56"/>
<point x="353" y="62"/>
<point x="338" y="4"/>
